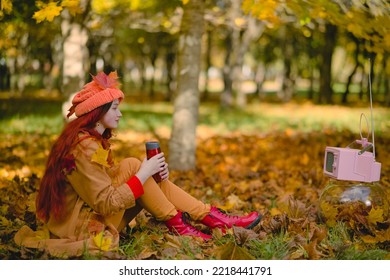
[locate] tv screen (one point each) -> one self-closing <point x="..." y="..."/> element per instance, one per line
<point x="329" y="162"/>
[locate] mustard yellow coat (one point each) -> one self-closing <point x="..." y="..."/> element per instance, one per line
<point x="97" y="196"/>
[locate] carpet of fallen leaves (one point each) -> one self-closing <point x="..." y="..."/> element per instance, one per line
<point x="278" y="174"/>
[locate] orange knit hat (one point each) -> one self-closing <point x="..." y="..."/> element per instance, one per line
<point x="103" y="89"/>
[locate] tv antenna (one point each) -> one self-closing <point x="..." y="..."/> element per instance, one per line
<point x="366" y="145"/>
<point x="372" y="117"/>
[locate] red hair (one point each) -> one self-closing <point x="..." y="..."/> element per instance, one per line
<point x="51" y="194"/>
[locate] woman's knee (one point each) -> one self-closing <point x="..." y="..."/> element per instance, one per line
<point x="128" y="167"/>
<point x="132" y="163"/>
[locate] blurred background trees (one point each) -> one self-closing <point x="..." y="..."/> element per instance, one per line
<point x="317" y="50"/>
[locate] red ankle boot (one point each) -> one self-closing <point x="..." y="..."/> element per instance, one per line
<point x="217" y="219"/>
<point x="178" y="225"/>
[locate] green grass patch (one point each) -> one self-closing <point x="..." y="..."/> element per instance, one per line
<point x="346" y="249"/>
<point x="272" y="248"/>
<point x="29" y="116"/>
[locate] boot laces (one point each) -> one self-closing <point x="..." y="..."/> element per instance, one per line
<point x="223" y="213"/>
<point x="186" y="218"/>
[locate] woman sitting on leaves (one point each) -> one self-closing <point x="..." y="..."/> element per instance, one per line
<point x="85" y="199"/>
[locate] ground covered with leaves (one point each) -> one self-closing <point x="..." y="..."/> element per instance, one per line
<point x="278" y="174"/>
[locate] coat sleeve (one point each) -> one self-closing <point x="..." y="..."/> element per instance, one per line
<point x="93" y="184"/>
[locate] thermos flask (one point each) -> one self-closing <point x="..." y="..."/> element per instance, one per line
<point x="152" y="149"/>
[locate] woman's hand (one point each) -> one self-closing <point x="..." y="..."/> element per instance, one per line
<point x="164" y="174"/>
<point x="155" y="164"/>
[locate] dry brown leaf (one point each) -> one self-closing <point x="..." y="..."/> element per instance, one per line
<point x="169" y="253"/>
<point x="232" y="251"/>
<point x="146" y="253"/>
<point x="311" y="249"/>
<point x="243" y="235"/>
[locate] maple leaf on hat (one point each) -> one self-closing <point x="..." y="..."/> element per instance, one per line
<point x="106" y="81"/>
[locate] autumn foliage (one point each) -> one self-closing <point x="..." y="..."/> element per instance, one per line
<point x="278" y="174"/>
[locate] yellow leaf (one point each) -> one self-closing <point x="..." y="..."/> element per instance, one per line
<point x="233" y="201"/>
<point x="330" y="213"/>
<point x="386" y="40"/>
<point x="102" y="7"/>
<point x="375" y="215"/>
<point x="73" y="6"/>
<point x="356" y="29"/>
<point x="4" y="222"/>
<point x="380" y="236"/>
<point x="275" y="211"/>
<point x="6" y="6"/>
<point x="103" y="243"/>
<point x="43" y="234"/>
<point x="48" y="12"/>
<point x="101" y="156"/>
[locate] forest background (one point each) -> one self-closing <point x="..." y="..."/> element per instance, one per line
<point x="251" y="91"/>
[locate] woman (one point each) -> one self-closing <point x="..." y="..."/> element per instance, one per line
<point x="85" y="199"/>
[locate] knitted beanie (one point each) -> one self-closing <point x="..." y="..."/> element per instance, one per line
<point x="101" y="90"/>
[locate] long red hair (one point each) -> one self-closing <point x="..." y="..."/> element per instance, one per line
<point x="51" y="194"/>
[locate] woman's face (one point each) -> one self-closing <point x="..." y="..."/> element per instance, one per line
<point x="111" y="118"/>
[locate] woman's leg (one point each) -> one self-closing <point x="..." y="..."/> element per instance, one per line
<point x="156" y="202"/>
<point x="153" y="200"/>
<point x="184" y="201"/>
<point x="163" y="202"/>
<point x="129" y="215"/>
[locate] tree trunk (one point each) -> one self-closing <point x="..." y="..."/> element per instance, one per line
<point x="312" y="66"/>
<point x="170" y="83"/>
<point x="287" y="89"/>
<point x="153" y="58"/>
<point x="227" y="94"/>
<point x="75" y="55"/>
<point x="357" y="65"/>
<point x="253" y="32"/>
<point x="4" y="75"/>
<point x="205" y="95"/>
<point x="237" y="45"/>
<point x="182" y="145"/>
<point x="326" y="65"/>
<point x="387" y="91"/>
<point x="386" y="82"/>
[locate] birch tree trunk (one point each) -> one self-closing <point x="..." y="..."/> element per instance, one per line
<point x="75" y="55"/>
<point x="182" y="145"/>
<point x="75" y="59"/>
<point x="237" y="46"/>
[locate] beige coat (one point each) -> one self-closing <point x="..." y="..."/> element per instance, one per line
<point x="96" y="198"/>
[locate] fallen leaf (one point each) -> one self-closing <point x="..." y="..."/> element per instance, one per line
<point x="101" y="156"/>
<point x="231" y="251"/>
<point x="375" y="215"/>
<point x="102" y="242"/>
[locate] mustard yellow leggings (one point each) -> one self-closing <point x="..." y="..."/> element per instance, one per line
<point x="161" y="200"/>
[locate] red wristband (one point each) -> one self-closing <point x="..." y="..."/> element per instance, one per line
<point x="135" y="186"/>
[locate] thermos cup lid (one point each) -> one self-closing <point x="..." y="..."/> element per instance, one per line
<point x="151" y="145"/>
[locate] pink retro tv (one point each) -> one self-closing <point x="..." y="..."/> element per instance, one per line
<point x="351" y="165"/>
